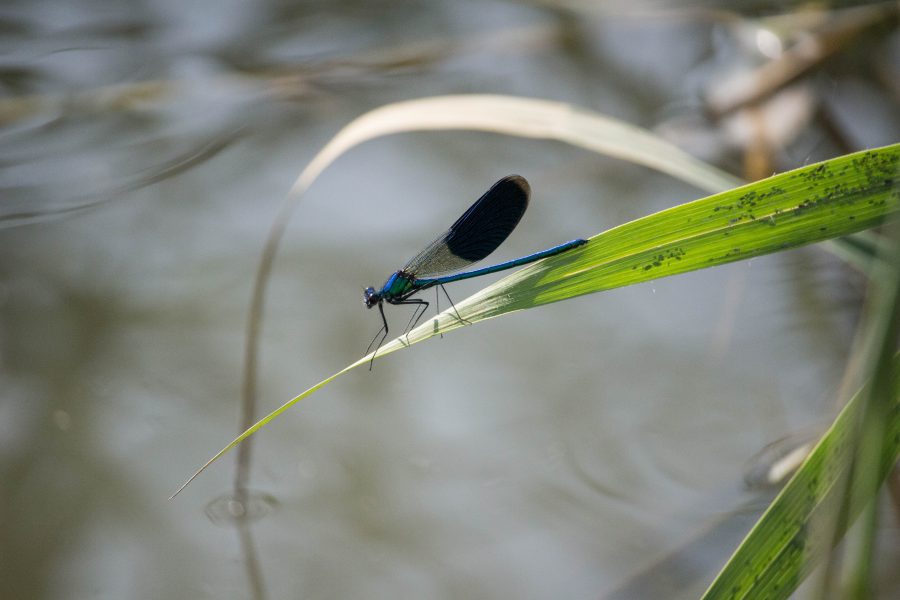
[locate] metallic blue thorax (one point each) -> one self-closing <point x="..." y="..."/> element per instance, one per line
<point x="397" y="286"/>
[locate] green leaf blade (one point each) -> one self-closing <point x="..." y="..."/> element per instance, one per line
<point x="808" y="205"/>
<point x="800" y="526"/>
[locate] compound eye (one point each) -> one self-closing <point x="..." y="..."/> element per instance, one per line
<point x="370" y="298"/>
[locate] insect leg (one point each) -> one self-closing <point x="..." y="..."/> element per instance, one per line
<point x="384" y="328"/>
<point x="417" y="314"/>
<point x="437" y="306"/>
<point x="461" y="320"/>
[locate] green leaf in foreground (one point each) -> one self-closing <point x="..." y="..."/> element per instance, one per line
<point x="807" y="205"/>
<point x="801" y="525"/>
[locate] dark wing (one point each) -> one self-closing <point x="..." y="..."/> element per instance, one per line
<point x="477" y="233"/>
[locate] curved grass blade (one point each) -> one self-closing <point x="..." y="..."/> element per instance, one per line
<point x="500" y="114"/>
<point x="521" y="117"/>
<point x="814" y="203"/>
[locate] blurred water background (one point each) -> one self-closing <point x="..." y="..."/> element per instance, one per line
<point x="595" y="448"/>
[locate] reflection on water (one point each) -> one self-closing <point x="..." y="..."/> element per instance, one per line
<point x="228" y="509"/>
<point x="578" y="450"/>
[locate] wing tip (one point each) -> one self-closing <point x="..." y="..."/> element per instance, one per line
<point x="516" y="180"/>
